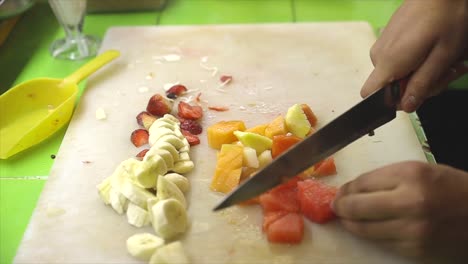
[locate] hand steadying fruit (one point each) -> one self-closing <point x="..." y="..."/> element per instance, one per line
<point x="414" y="208"/>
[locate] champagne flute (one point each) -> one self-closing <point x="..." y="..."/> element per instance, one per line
<point x="75" y="46"/>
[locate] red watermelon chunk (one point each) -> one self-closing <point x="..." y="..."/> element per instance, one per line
<point x="315" y="200"/>
<point x="288" y="228"/>
<point x="271" y="217"/>
<point x="325" y="167"/>
<point x="281" y="198"/>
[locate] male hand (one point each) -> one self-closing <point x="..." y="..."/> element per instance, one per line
<point x="427" y="39"/>
<point x="417" y="209"/>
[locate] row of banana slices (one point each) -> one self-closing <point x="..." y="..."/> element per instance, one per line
<point x="130" y="189"/>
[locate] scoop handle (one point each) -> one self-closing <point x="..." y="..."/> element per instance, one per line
<point x="92" y="66"/>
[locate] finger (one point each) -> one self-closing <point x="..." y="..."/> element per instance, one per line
<point x="385" y="178"/>
<point x="424" y="79"/>
<point x="381" y="205"/>
<point x="376" y="80"/>
<point x="385" y="231"/>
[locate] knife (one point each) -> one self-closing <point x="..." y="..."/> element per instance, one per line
<point x="369" y="114"/>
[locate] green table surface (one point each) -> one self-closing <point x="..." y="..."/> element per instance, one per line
<point x="25" y="55"/>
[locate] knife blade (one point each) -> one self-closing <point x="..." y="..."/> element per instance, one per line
<point x="369" y="114"/>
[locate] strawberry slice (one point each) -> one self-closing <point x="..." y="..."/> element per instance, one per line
<point x="225" y="78"/>
<point x="139" y="137"/>
<point x="187" y="111"/>
<point x="141" y="154"/>
<point x="145" y="119"/>
<point x="219" y="108"/>
<point x="159" y="105"/>
<point x="191" y="138"/>
<point x="176" y="91"/>
<point x="191" y="126"/>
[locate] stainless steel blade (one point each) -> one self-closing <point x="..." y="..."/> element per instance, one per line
<point x="374" y="111"/>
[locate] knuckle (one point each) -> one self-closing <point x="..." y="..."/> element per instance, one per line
<point x="419" y="85"/>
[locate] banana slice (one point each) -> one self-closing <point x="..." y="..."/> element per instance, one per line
<point x="164" y="124"/>
<point x="118" y="202"/>
<point x="136" y="194"/>
<point x="183" y="156"/>
<point x="136" y="216"/>
<point x="180" y="181"/>
<point x="169" y="147"/>
<point x="179" y="134"/>
<point x="264" y="158"/>
<point x="143" y="245"/>
<point x="151" y="202"/>
<point x="170" y="254"/>
<point x="165" y="154"/>
<point x="173" y="140"/>
<point x="167" y="189"/>
<point x="171" y="118"/>
<point x="104" y="189"/>
<point x="169" y="218"/>
<point x="250" y="158"/>
<point x="183" y="167"/>
<point x="158" y="132"/>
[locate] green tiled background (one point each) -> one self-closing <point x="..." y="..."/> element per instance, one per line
<point x="25" y="55"/>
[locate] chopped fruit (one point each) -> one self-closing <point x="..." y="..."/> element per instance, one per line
<point x="228" y="168"/>
<point x="219" y="108"/>
<point x="255" y="200"/>
<point x="296" y="121"/>
<point x="281" y="143"/>
<point x="288" y="229"/>
<point x="225" y="78"/>
<point x="159" y="105"/>
<point x="192" y="139"/>
<point x="145" y="119"/>
<point x="139" y="137"/>
<point x="176" y="91"/>
<point x="281" y="198"/>
<point x="311" y="117"/>
<point x="276" y="127"/>
<point x="169" y="218"/>
<point x="187" y="111"/>
<point x="325" y="168"/>
<point x="315" y="200"/>
<point x="143" y="245"/>
<point x="100" y="114"/>
<point x="260" y="129"/>
<point x="307" y="173"/>
<point x="270" y="217"/>
<point x="250" y="158"/>
<point x="142" y="153"/>
<point x="223" y="133"/>
<point x="191" y="126"/>
<point x="265" y="158"/>
<point x="255" y="141"/>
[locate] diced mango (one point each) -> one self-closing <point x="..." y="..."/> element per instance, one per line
<point x="276" y="127"/>
<point x="228" y="168"/>
<point x="223" y="133"/>
<point x="260" y="129"/>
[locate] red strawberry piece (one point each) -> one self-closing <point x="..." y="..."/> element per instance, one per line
<point x="145" y="119"/>
<point x="191" y="126"/>
<point x="176" y="91"/>
<point x="218" y="108"/>
<point x="139" y="137"/>
<point x="142" y="154"/>
<point x="159" y="105"/>
<point x="192" y="139"/>
<point x="187" y="111"/>
<point x="225" y="78"/>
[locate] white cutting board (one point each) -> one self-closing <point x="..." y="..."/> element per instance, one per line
<point x="273" y="66"/>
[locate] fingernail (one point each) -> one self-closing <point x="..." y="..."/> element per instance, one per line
<point x="410" y="103"/>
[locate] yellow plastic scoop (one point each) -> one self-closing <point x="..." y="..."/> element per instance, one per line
<point x="32" y="111"/>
